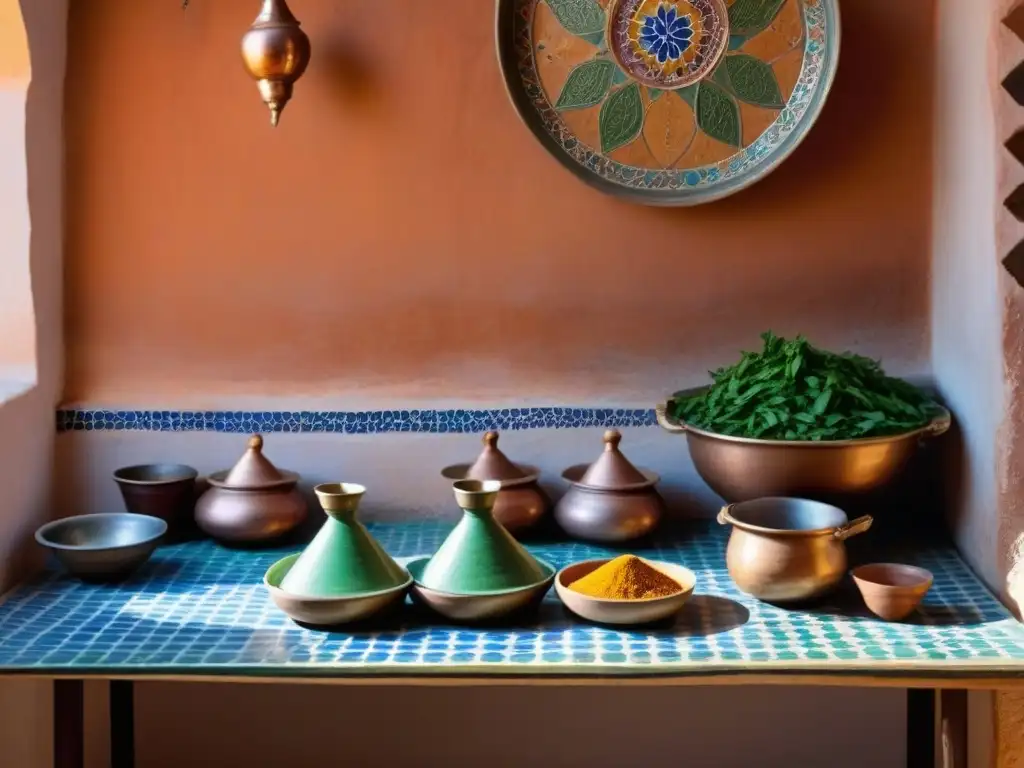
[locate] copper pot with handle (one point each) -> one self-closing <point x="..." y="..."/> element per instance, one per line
<point x="784" y="550"/>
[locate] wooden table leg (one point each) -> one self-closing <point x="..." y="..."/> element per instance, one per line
<point x="68" y="728"/>
<point x="953" y="715"/>
<point x="122" y="724"/>
<point x="920" y="728"/>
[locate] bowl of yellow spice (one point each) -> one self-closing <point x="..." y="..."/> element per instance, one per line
<point x="624" y="590"/>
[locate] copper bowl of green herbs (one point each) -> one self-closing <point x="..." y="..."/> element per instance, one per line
<point x="796" y="421"/>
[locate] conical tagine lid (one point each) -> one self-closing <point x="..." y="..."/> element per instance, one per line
<point x="612" y="470"/>
<point x="492" y="464"/>
<point x="343" y="559"/>
<point x="254" y="470"/>
<point x="480" y="556"/>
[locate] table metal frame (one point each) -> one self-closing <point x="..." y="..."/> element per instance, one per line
<point x="925" y="708"/>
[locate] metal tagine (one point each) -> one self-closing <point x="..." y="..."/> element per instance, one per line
<point x="276" y="53"/>
<point x="252" y="502"/>
<point x="611" y="500"/>
<point x="343" y="558"/>
<point x="480" y="556"/>
<point x="521" y="501"/>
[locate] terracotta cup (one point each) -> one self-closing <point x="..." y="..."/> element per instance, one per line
<point x="166" y="491"/>
<point x="892" y="591"/>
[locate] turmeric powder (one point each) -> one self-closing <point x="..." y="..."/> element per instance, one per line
<point x="627" y="577"/>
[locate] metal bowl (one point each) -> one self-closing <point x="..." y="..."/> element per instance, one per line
<point x="480" y="606"/>
<point x="623" y="612"/>
<point x="328" y="611"/>
<point x="101" y="547"/>
<point x="743" y="468"/>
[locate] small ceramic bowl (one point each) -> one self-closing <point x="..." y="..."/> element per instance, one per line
<point x="328" y="611"/>
<point x="480" y="606"/>
<point x="892" y="591"/>
<point x="623" y="612"/>
<point x="100" y="547"/>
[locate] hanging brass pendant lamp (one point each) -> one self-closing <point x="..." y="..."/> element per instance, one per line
<point x="275" y="52"/>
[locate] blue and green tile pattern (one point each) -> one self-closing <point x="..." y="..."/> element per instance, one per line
<point x="199" y="608"/>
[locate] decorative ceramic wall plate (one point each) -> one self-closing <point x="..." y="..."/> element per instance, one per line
<point x="669" y="102"/>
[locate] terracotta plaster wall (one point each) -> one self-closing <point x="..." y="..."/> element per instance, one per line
<point x="967" y="354"/>
<point x="1009" y="53"/>
<point x="401" y="237"/>
<point x="978" y="309"/>
<point x="32" y="56"/>
<point x="32" y="60"/>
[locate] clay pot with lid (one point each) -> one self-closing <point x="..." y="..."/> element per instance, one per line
<point x="252" y="502"/>
<point x="610" y="500"/>
<point x="521" y="503"/>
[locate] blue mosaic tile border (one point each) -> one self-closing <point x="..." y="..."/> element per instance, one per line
<point x="201" y="609"/>
<point x="353" y="422"/>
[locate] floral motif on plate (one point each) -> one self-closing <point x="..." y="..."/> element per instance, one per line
<point x="667" y="44"/>
<point x="682" y="100"/>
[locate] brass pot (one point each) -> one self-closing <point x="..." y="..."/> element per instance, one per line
<point x="785" y="550"/>
<point x="742" y="468"/>
<point x="275" y="52"/>
<point x="252" y="502"/>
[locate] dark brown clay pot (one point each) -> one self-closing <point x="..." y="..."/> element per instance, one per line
<point x="166" y="491"/>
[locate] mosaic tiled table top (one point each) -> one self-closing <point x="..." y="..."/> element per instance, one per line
<point x="200" y="609"/>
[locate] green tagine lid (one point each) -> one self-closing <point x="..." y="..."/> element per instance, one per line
<point x="343" y="559"/>
<point x="480" y="555"/>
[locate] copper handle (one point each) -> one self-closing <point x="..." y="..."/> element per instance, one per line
<point x="666" y="422"/>
<point x="723" y="515"/>
<point x="854" y="528"/>
<point x="939" y="425"/>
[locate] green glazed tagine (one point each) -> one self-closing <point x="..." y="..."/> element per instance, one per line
<point x="343" y="559"/>
<point x="480" y="556"/>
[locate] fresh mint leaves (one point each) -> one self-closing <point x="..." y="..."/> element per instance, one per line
<point x="793" y="391"/>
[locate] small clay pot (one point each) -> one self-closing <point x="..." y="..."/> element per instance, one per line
<point x="610" y="500"/>
<point x="166" y="491"/>
<point x="522" y="502"/>
<point x="253" y="502"/>
<point x="892" y="591"/>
